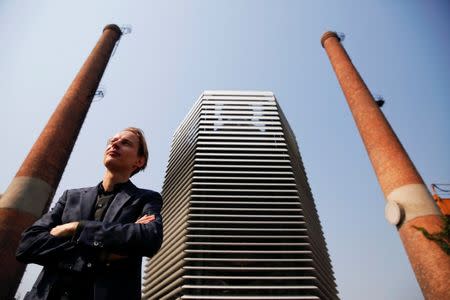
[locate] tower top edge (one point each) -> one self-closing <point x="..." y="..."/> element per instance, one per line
<point x="236" y="93"/>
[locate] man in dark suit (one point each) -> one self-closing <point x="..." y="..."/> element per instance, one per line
<point x="92" y="242"/>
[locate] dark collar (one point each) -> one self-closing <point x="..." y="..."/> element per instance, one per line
<point x="117" y="188"/>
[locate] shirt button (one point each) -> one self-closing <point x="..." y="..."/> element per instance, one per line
<point x="89" y="265"/>
<point x="96" y="243"/>
<point x="100" y="205"/>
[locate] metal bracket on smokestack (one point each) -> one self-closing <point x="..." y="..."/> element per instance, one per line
<point x="126" y="29"/>
<point x="341" y="36"/>
<point x="99" y="94"/>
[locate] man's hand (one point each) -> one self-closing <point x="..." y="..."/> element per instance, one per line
<point x="64" y="230"/>
<point x="145" y="219"/>
<point x="142" y="220"/>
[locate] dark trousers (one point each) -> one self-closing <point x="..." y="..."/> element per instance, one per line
<point x="72" y="286"/>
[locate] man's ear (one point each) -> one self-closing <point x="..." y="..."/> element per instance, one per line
<point x="139" y="162"/>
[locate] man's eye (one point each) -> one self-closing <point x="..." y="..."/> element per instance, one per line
<point x="126" y="143"/>
<point x="111" y="141"/>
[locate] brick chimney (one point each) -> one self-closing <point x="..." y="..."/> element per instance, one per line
<point x="409" y="204"/>
<point x="31" y="191"/>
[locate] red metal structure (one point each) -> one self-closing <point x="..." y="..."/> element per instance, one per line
<point x="441" y="190"/>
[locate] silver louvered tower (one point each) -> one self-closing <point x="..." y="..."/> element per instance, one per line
<point x="239" y="218"/>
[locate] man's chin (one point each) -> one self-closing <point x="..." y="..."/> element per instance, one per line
<point x="114" y="166"/>
<point x="111" y="164"/>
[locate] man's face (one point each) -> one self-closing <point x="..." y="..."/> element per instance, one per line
<point x="121" y="154"/>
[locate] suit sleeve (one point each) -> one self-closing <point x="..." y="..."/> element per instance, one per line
<point x="129" y="239"/>
<point x="38" y="245"/>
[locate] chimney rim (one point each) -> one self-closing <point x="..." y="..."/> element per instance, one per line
<point x="113" y="27"/>
<point x="327" y="35"/>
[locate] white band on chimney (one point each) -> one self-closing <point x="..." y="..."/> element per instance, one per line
<point x="27" y="194"/>
<point x="415" y="200"/>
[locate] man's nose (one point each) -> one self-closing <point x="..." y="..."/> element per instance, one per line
<point x="115" y="144"/>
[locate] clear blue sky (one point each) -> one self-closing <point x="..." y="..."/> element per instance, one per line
<point x="179" y="48"/>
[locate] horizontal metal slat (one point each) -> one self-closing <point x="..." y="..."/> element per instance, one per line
<point x="247" y="222"/>
<point x="248" y="236"/>
<point x="244" y="209"/>
<point x="244" y="229"/>
<point x="243" y="190"/>
<point x="211" y="297"/>
<point x="249" y="287"/>
<point x="245" y="196"/>
<point x="250" y="259"/>
<point x="250" y="277"/>
<point x="248" y="216"/>
<point x="247" y="244"/>
<point x="250" y="251"/>
<point x="249" y="268"/>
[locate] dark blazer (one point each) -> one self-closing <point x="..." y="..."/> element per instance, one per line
<point x="86" y="251"/>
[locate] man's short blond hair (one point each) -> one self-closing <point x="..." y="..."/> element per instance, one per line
<point x="142" y="147"/>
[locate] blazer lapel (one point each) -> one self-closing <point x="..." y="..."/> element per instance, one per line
<point x="88" y="197"/>
<point x="119" y="201"/>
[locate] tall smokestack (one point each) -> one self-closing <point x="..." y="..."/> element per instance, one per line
<point x="32" y="189"/>
<point x="409" y="203"/>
